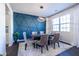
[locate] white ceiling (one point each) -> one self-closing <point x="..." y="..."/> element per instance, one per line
<point x="34" y="8"/>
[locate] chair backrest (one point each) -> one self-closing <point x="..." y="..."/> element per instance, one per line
<point x="41" y="32"/>
<point x="56" y="37"/>
<point x="44" y="39"/>
<point x="24" y="35"/>
<point x="34" y="33"/>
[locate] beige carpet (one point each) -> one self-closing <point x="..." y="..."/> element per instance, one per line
<point x="37" y="52"/>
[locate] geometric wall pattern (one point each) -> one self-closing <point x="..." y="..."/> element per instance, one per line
<point x="27" y="23"/>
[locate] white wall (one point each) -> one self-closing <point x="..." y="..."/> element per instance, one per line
<point x="72" y="36"/>
<point x="48" y="26"/>
<point x="7" y="24"/>
<point x="10" y="17"/>
<point x="2" y="30"/>
<point x="76" y="26"/>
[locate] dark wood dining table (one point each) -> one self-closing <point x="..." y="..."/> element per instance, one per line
<point x="37" y="37"/>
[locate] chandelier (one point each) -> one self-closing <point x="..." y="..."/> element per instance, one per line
<point x="41" y="19"/>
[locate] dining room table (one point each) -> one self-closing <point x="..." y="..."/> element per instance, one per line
<point x="38" y="36"/>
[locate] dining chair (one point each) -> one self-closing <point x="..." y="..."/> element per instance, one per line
<point x="41" y="32"/>
<point x="43" y="42"/>
<point x="34" y="33"/>
<point x="25" y="39"/>
<point x="55" y="39"/>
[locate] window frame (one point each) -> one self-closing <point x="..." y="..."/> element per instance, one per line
<point x="56" y="24"/>
<point x="60" y="28"/>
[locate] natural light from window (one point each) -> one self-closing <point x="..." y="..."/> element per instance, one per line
<point x="62" y="23"/>
<point x="55" y="24"/>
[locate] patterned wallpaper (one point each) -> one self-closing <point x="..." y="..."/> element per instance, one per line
<point x="27" y="23"/>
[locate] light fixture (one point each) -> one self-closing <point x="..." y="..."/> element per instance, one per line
<point x="41" y="7"/>
<point x="41" y="19"/>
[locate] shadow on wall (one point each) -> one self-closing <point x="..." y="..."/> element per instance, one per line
<point x="27" y="23"/>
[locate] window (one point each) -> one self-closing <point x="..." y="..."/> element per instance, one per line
<point x="65" y="27"/>
<point x="65" y="23"/>
<point x="65" y="18"/>
<point x="55" y="24"/>
<point x="62" y="23"/>
<point x="56" y="21"/>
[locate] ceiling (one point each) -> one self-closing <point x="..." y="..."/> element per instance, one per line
<point x="34" y="8"/>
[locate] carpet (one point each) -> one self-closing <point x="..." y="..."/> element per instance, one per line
<point x="30" y="51"/>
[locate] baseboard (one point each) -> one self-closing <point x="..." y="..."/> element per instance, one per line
<point x="65" y="42"/>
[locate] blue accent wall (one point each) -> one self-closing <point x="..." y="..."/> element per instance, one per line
<point x="27" y="23"/>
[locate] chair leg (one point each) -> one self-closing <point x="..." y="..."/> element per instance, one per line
<point x="47" y="47"/>
<point x="25" y="46"/>
<point x="41" y="49"/>
<point x="58" y="44"/>
<point x="33" y="45"/>
<point x="54" y="45"/>
<point x="36" y="46"/>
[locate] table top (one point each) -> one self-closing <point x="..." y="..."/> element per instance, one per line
<point x="44" y="34"/>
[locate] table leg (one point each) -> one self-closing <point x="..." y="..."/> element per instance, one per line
<point x="25" y="46"/>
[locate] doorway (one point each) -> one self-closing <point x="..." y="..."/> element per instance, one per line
<point x="7" y="25"/>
